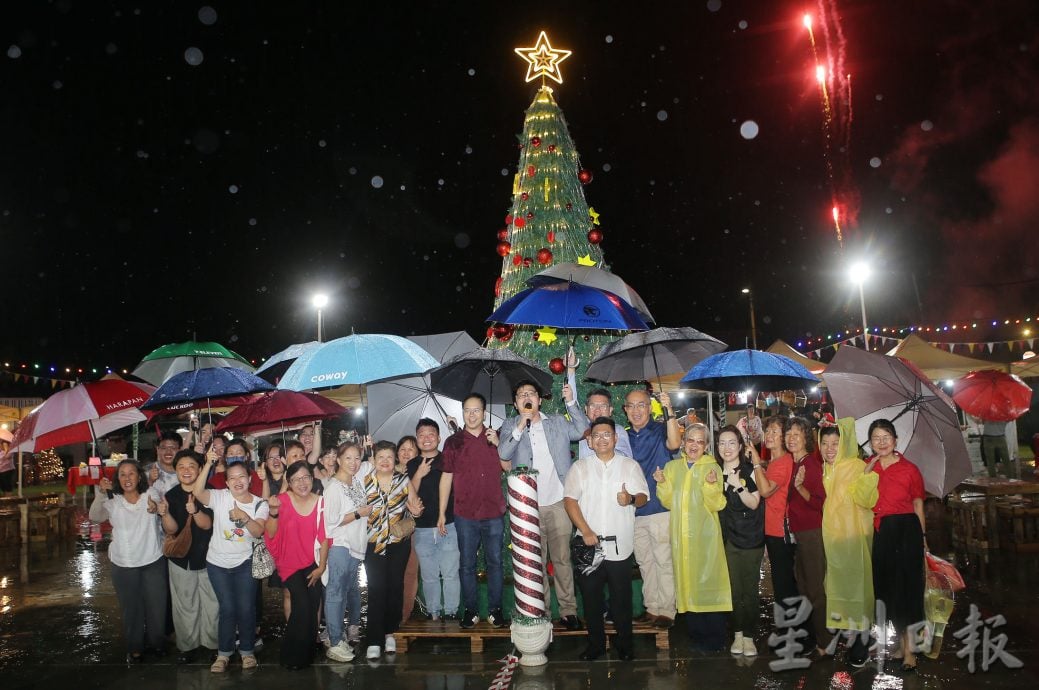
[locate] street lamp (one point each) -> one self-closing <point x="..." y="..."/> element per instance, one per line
<point x="319" y="301"/>
<point x="859" y="273"/>
<point x="753" y="322"/>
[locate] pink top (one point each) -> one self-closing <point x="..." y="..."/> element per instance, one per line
<point x="294" y="544"/>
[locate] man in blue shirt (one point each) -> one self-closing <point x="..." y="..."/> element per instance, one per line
<point x="652" y="443"/>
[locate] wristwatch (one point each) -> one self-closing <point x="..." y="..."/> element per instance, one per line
<point x="741" y="489"/>
<point x="357" y="516"/>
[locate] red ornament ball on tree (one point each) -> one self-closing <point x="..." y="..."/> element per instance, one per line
<point x="497" y="287"/>
<point x="531" y="171"/>
<point x="556" y="366"/>
<point x="503" y="234"/>
<point x="517" y="259"/>
<point x="520" y="222"/>
<point x="527" y="262"/>
<point x="535" y="141"/>
<point x="500" y="330"/>
<point x="524" y="196"/>
<point x="530" y="214"/>
<point x="508" y="219"/>
<point x="490" y="332"/>
<point x="551" y="148"/>
<point x="551" y="236"/>
<point x="569" y="206"/>
<point x="595" y="236"/>
<point x="544" y="256"/>
<point x="585" y="176"/>
<point x="504" y="248"/>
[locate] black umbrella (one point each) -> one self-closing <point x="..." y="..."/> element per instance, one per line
<point x="651" y="354"/>
<point x="491" y="373"/>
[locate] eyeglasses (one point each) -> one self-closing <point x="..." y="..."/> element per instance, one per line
<point x="598" y="406"/>
<point x="602" y="435"/>
<point x="302" y="479"/>
<point x="527" y="394"/>
<point x="636" y="406"/>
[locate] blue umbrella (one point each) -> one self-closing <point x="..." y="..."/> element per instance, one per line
<point x="569" y="305"/>
<point x="742" y="370"/>
<point x="356" y="359"/>
<point x="201" y="387"/>
<point x="274" y="367"/>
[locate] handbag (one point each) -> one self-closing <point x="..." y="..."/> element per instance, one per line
<point x="403" y="528"/>
<point x="585" y="559"/>
<point x="317" y="542"/>
<point x="178" y="545"/>
<point x="263" y="561"/>
<point x="944" y="567"/>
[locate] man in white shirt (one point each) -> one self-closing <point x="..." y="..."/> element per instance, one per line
<point x="602" y="493"/>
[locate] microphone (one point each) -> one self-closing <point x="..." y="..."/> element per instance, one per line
<point x="528" y="406"/>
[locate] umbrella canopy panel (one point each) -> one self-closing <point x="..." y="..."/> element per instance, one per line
<point x="992" y="395"/>
<point x="491" y="373"/>
<point x="653" y="354"/>
<point x="275" y="409"/>
<point x="569" y="305"/>
<point x="356" y="359"/>
<point x="274" y="367"/>
<point x="162" y="363"/>
<point x="744" y="370"/>
<point x="595" y="277"/>
<point x="207" y="387"/>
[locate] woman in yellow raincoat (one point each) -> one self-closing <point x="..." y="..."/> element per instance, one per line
<point x="851" y="493"/>
<point x="691" y="488"/>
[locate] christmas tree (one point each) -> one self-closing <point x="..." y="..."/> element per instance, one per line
<point x="549" y="222"/>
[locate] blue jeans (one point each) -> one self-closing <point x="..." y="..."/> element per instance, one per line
<point x="235" y="591"/>
<point x="438" y="558"/>
<point x="342" y="593"/>
<point x="471" y="533"/>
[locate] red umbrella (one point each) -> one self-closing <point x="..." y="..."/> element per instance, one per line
<point x="82" y="413"/>
<point x="992" y="395"/>
<point x="278" y="409"/>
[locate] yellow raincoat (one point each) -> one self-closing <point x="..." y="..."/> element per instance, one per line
<point x="848" y="534"/>
<point x="697" y="550"/>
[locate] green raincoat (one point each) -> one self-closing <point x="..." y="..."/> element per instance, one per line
<point x="848" y="534"/>
<point x="697" y="550"/>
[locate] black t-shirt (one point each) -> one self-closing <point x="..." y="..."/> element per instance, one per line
<point x="177" y="499"/>
<point x="742" y="527"/>
<point x="429" y="492"/>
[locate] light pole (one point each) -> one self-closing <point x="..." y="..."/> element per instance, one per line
<point x="319" y="301"/>
<point x="753" y="322"/>
<point x="859" y="273"/>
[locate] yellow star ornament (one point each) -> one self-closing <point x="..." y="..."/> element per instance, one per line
<point x="594" y="215"/>
<point x="546" y="335"/>
<point x="585" y="260"/>
<point x="543" y="60"/>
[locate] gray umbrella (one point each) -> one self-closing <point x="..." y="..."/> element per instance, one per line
<point x="869" y="386"/>
<point x="394" y="407"/>
<point x="491" y="373"/>
<point x="651" y="354"/>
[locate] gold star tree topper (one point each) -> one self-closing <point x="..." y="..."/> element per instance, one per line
<point x="543" y="60"/>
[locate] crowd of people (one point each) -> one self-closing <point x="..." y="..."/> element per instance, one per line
<point x="195" y="535"/>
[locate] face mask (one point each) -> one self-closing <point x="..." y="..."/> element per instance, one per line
<point x="232" y="459"/>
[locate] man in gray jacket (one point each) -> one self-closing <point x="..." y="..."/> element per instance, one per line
<point x="542" y="442"/>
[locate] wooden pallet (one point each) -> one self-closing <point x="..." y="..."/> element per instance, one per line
<point x="417" y="629"/>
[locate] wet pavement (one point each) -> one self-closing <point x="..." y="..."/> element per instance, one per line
<point x="59" y="627"/>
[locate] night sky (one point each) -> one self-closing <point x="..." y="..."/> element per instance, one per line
<point x="183" y="168"/>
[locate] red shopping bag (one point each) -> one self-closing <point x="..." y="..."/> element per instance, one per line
<point x="944" y="567"/>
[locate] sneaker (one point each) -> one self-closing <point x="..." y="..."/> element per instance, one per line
<point x="249" y="662"/>
<point x="340" y="652"/>
<point x="497" y="619"/>
<point x="373" y="652"/>
<point x="748" y="647"/>
<point x="353" y="634"/>
<point x="737" y="644"/>
<point x="391" y="645"/>
<point x="220" y="665"/>
<point x="469" y="620"/>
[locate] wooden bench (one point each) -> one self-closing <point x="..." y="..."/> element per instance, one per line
<point x="969" y="521"/>
<point x="1019" y="521"/>
<point x="413" y="630"/>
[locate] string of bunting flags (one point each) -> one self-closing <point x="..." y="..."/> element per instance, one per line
<point x="951" y="327"/>
<point x="887" y="342"/>
<point x="35" y="379"/>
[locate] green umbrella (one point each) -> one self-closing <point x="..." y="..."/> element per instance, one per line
<point x="166" y="361"/>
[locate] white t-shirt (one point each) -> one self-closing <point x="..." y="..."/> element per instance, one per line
<point x="340" y="501"/>
<point x="135" y="531"/>
<point x="550" y="489"/>
<point x="231" y="545"/>
<point x="594" y="484"/>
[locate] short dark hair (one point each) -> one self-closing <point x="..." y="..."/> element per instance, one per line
<point x="426" y="421"/>
<point x="142" y="481"/>
<point x="885" y="424"/>
<point x="526" y="382"/>
<point x="289" y="445"/>
<point x="806" y="429"/>
<point x="608" y="421"/>
<point x="828" y="431"/>
<point x="384" y="445"/>
<point x="237" y="442"/>
<point x="188" y="453"/>
<point x="600" y="391"/>
<point x="169" y="436"/>
<point x="476" y="396"/>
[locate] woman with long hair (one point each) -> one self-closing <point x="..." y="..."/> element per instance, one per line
<point x="239" y="518"/>
<point x="138" y="566"/>
<point x="743" y="529"/>
<point x="898" y="539"/>
<point x="387" y="492"/>
<point x="295" y="529"/>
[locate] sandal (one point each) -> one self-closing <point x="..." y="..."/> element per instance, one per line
<point x="906" y="668"/>
<point x="249" y="662"/>
<point x="220" y="665"/>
